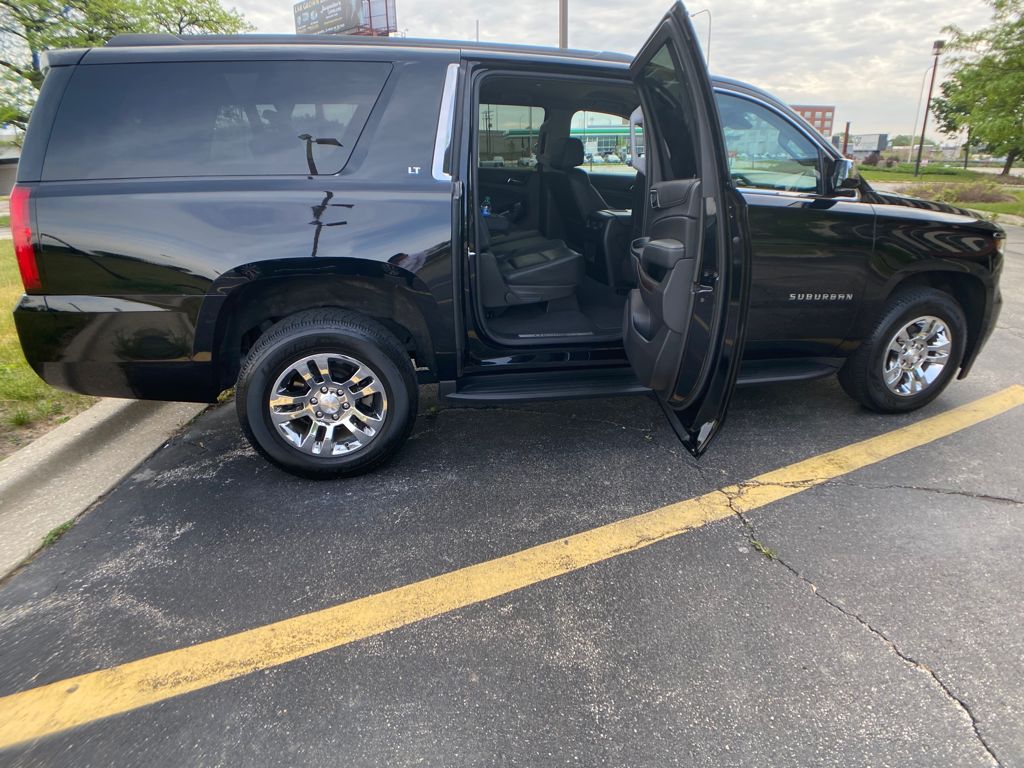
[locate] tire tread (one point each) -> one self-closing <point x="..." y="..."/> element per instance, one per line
<point x="855" y="375"/>
<point x="331" y="320"/>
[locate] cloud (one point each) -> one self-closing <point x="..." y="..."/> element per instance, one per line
<point x="868" y="57"/>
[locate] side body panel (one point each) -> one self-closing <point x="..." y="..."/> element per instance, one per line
<point x="137" y="272"/>
<point x="810" y="258"/>
<point x="925" y="243"/>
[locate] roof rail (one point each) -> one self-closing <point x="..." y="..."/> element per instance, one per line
<point x="137" y="40"/>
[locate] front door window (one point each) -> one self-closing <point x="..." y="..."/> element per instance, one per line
<point x="766" y="151"/>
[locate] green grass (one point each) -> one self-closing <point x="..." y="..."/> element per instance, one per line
<point x="5" y="221"/>
<point x="51" y="538"/>
<point x="26" y="402"/>
<point x="945" y="173"/>
<point x="1012" y="208"/>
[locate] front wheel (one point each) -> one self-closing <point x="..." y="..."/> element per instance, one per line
<point x="327" y="393"/>
<point x="911" y="356"/>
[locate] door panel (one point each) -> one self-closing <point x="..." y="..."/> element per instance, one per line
<point x="684" y="325"/>
<point x="811" y="255"/>
<point x="665" y="262"/>
<point x="615" y="188"/>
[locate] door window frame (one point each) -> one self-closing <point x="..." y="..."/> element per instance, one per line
<point x="821" y="190"/>
<point x="481" y="344"/>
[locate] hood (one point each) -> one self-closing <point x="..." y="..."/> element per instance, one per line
<point x="892" y="198"/>
<point x="976" y="222"/>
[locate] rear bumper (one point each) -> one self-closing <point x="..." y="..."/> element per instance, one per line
<point x="117" y="347"/>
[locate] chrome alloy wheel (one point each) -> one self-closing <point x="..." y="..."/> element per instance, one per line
<point x="916" y="356"/>
<point x="328" y="404"/>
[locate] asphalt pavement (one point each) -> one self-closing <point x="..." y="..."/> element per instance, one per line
<point x="870" y="620"/>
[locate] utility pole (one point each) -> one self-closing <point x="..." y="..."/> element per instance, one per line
<point x="967" y="148"/>
<point x="563" y="23"/>
<point x="936" y="52"/>
<point x="846" y="138"/>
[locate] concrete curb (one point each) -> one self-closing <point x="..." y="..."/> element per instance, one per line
<point x="58" y="476"/>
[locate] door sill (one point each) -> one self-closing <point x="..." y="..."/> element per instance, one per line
<point x="491" y="389"/>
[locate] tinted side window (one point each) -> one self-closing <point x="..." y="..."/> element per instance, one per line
<point x="673" y="113"/>
<point x="508" y="135"/>
<point x="605" y="140"/>
<point x="229" y="118"/>
<point x="766" y="151"/>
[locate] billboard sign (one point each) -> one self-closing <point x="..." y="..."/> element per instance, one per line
<point x="345" y="17"/>
<point x="868" y="142"/>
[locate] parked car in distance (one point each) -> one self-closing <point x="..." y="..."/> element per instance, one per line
<point x="299" y="217"/>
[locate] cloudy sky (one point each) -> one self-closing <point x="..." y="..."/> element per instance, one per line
<point x="867" y="57"/>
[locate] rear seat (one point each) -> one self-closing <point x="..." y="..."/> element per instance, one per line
<point x="528" y="269"/>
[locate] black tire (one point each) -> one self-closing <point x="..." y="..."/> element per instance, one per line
<point x="862" y="374"/>
<point x="330" y="332"/>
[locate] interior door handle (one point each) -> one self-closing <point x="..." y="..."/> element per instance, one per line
<point x="514" y="182"/>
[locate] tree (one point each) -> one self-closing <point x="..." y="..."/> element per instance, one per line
<point x="29" y="27"/>
<point x="985" y="93"/>
<point x="906" y="140"/>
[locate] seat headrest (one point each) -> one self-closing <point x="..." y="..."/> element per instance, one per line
<point x="565" y="153"/>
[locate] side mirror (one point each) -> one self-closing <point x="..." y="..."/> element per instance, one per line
<point x="845" y="176"/>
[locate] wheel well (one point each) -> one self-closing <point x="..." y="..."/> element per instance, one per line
<point x="968" y="291"/>
<point x="250" y="310"/>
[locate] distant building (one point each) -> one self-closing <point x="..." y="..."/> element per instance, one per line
<point x="821" y="117"/>
<point x="345" y="17"/>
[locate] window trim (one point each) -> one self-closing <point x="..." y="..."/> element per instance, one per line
<point x="822" y="152"/>
<point x="445" y="124"/>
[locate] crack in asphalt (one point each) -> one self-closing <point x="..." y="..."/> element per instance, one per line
<point x="928" y="489"/>
<point x="733" y="496"/>
<point x="1012" y="331"/>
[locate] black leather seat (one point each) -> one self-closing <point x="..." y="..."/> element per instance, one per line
<point x="569" y="186"/>
<point x="505" y="237"/>
<point x="532" y="273"/>
<point x="554" y="269"/>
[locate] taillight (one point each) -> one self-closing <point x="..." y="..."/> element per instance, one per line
<point x="21" y="233"/>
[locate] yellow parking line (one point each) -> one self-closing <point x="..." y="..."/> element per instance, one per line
<point x="55" y="707"/>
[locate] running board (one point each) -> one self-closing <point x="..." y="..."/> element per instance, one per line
<point x="551" y="385"/>
<point x="755" y="372"/>
<point x="489" y="389"/>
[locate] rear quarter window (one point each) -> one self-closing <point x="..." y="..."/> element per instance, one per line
<point x="228" y="118"/>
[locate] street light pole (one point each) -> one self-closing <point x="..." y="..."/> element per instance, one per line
<point x="563" y="23"/>
<point x="707" y="53"/>
<point x="917" y="114"/>
<point x="936" y="52"/>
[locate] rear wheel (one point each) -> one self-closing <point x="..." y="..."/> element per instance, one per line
<point x="911" y="356"/>
<point x="327" y="393"/>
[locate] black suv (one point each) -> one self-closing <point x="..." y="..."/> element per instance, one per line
<point x="326" y="222"/>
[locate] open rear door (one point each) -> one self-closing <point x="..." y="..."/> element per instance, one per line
<point x="684" y="324"/>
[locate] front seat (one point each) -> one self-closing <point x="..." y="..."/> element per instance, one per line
<point x="570" y="188"/>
